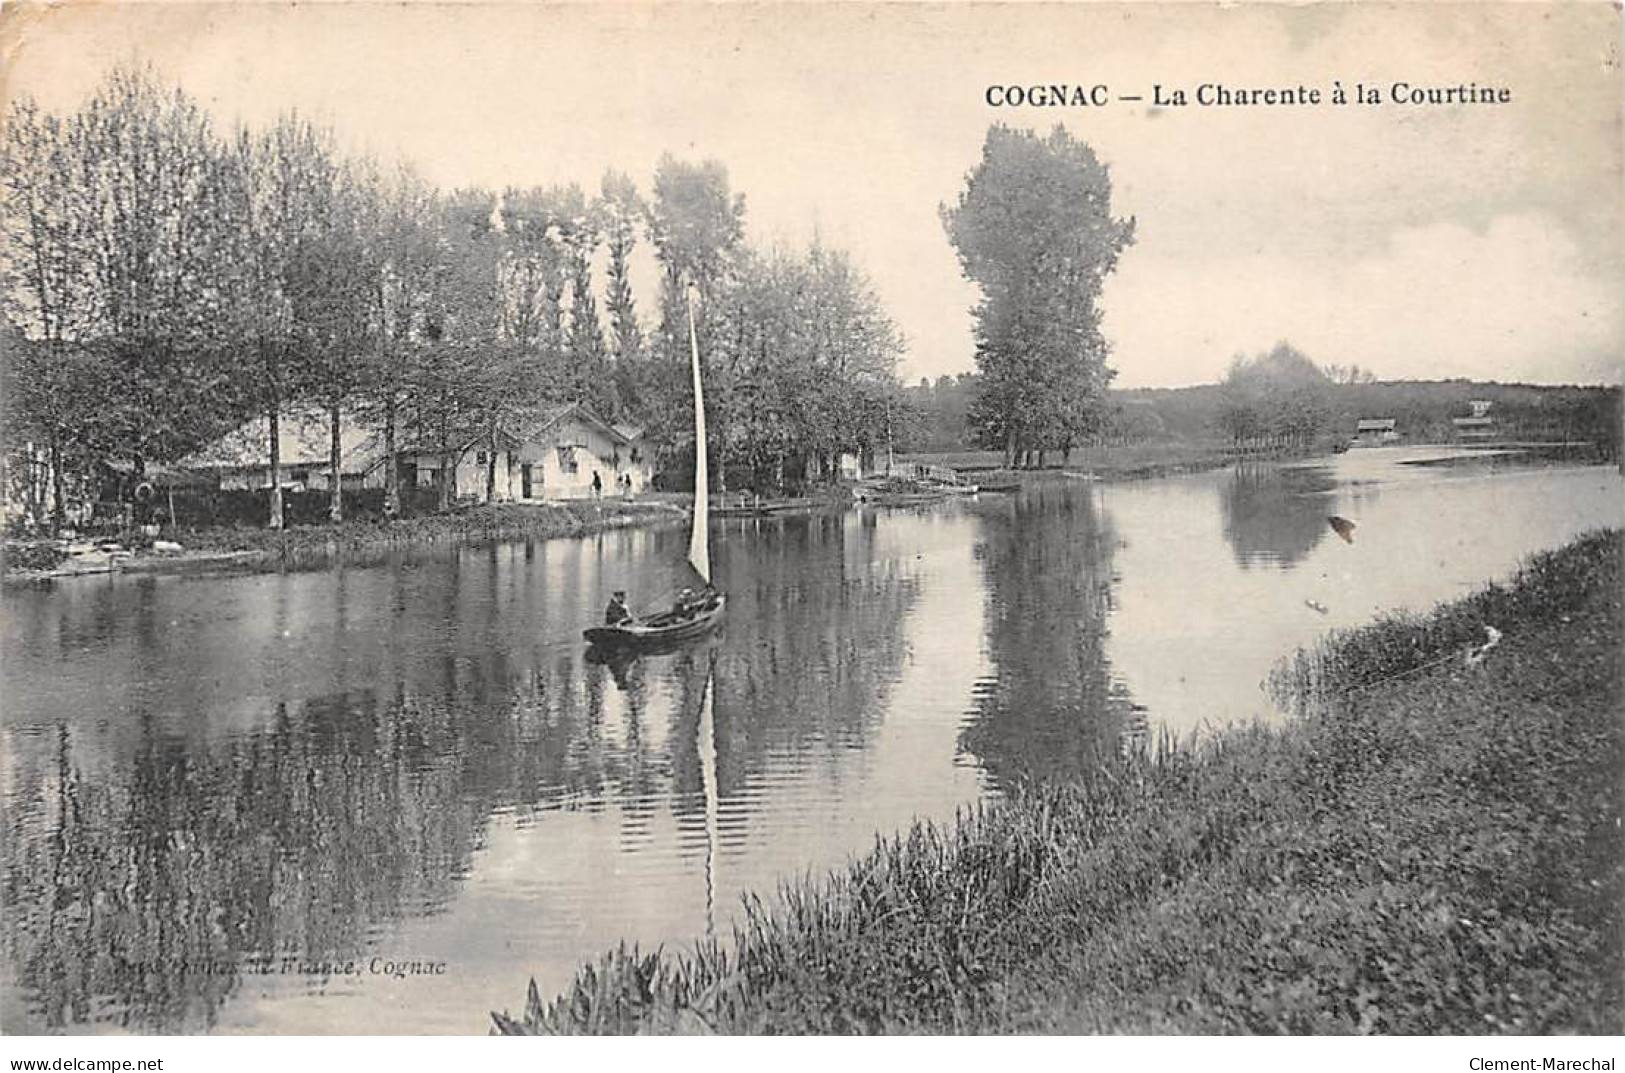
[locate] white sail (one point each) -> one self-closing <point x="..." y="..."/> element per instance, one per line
<point x="699" y="541"/>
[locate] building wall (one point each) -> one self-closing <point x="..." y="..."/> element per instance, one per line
<point x="300" y="478"/>
<point x="567" y="473"/>
<point x="554" y="474"/>
<point x="469" y="474"/>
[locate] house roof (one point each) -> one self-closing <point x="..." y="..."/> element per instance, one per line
<point x="463" y="440"/>
<point x="303" y="439"/>
<point x="557" y="416"/>
<point x="1374" y="424"/>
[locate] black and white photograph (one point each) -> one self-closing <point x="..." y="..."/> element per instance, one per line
<point x="815" y="519"/>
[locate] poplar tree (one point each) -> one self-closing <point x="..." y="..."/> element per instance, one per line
<point x="1034" y="231"/>
<point x="622" y="213"/>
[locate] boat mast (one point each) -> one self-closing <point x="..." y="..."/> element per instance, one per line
<point x="699" y="546"/>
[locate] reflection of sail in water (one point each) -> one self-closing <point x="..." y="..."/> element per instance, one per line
<point x="707" y="748"/>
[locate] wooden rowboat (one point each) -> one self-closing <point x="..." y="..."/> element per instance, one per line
<point x="660" y="629"/>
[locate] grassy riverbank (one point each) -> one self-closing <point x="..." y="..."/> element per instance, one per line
<point x="305" y="546"/>
<point x="1432" y="846"/>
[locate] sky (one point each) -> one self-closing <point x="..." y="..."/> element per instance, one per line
<point x="1485" y="241"/>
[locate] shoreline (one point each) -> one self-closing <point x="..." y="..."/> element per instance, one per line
<point x="1431" y="845"/>
<point x="244" y="549"/>
<point x="1151" y="461"/>
<point x="227" y="549"/>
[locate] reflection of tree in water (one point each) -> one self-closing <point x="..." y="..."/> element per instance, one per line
<point x="143" y="897"/>
<point x="138" y="897"/>
<point x="142" y="877"/>
<point x="1050" y="708"/>
<point x="1276" y="514"/>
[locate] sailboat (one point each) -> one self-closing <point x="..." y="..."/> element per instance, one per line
<point x="666" y="627"/>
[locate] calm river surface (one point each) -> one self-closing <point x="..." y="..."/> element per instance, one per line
<point x="413" y="762"/>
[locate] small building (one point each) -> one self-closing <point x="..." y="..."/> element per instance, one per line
<point x="1374" y="431"/>
<point x="242" y="458"/>
<point x="554" y="457"/>
<point x="1479" y="425"/>
<point x="559" y="455"/>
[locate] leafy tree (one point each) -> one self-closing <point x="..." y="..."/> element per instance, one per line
<point x="696" y="224"/>
<point x="802" y="364"/>
<point x="288" y="212"/>
<point x="151" y="239"/>
<point x="331" y="280"/>
<point x="622" y="213"/>
<point x="43" y="397"/>
<point x="580" y="230"/>
<point x="1279" y="398"/>
<point x="490" y="333"/>
<point x="1033" y="229"/>
<point x="406" y="264"/>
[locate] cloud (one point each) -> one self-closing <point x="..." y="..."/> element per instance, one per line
<point x="1513" y="300"/>
<point x="1420" y="241"/>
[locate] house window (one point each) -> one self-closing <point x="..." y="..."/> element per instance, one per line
<point x="567" y="460"/>
<point x="480" y="458"/>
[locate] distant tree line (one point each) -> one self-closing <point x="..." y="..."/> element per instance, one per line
<point x="1280" y="398"/>
<point x="164" y="281"/>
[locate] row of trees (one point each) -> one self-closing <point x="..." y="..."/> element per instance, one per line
<point x="1278" y="398"/>
<point x="166" y="281"/>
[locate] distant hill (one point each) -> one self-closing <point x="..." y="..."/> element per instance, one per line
<point x="1422" y="411"/>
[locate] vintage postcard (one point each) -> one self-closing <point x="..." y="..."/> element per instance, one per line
<point x="816" y="519"/>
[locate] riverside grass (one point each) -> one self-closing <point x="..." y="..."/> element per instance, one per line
<point x="1428" y="847"/>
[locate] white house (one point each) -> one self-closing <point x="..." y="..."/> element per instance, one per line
<point x="1479" y="426"/>
<point x="555" y="457"/>
<point x="559" y="455"/>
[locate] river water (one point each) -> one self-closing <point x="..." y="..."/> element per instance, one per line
<point x="243" y="804"/>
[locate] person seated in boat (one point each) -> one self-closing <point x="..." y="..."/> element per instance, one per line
<point x="687" y="605"/>
<point x="616" y="613"/>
